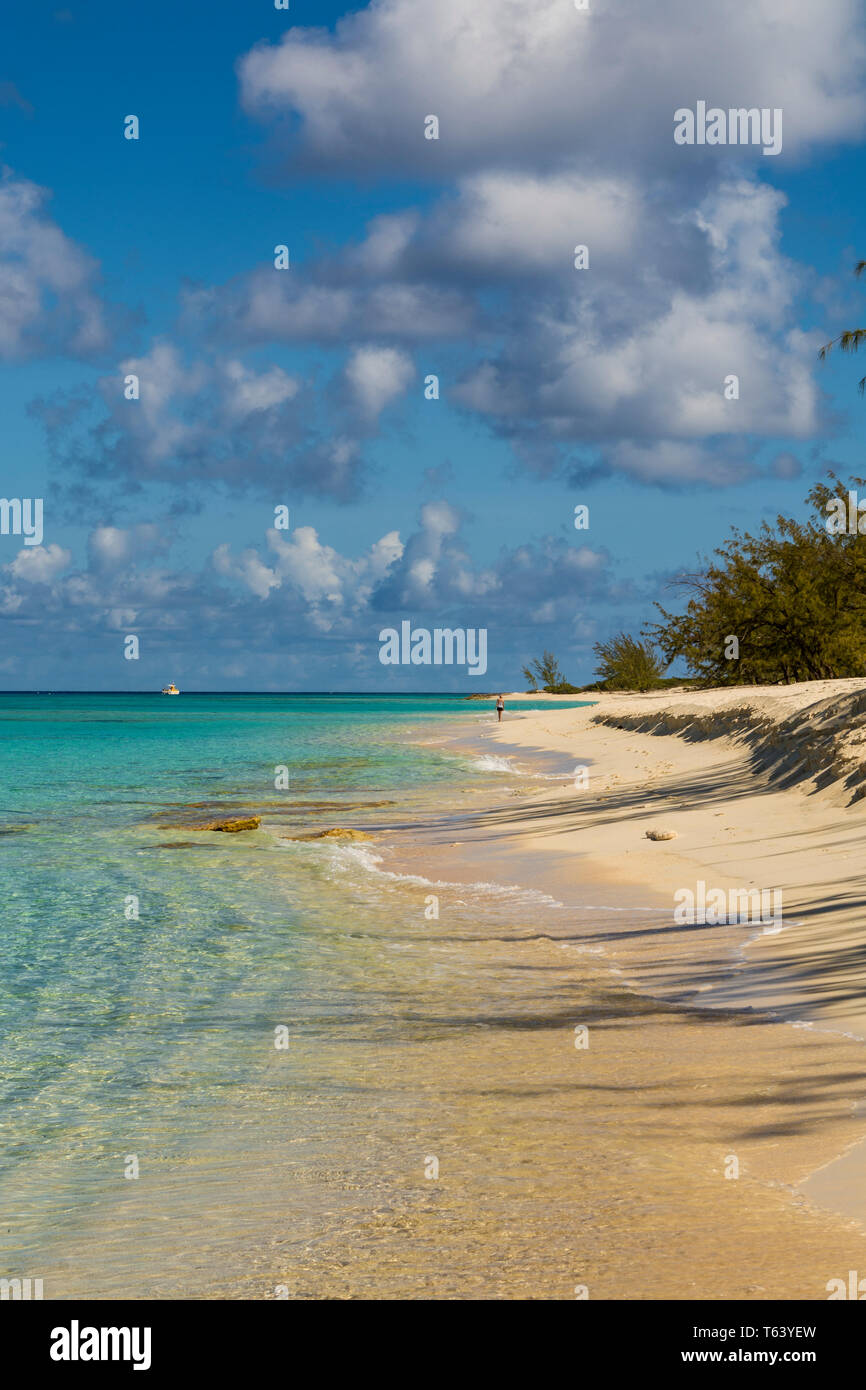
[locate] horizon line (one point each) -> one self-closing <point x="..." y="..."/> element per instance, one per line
<point x="150" y="691"/>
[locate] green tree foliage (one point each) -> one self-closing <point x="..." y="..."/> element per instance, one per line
<point x="546" y="673"/>
<point x="794" y="596"/>
<point x="624" y="663"/>
<point x="851" y="339"/>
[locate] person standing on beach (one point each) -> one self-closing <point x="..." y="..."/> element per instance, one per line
<point x="500" y="706"/>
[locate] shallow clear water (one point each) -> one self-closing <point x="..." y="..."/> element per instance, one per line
<point x="152" y="1035"/>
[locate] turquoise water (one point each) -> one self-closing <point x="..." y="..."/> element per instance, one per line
<point x="146" y="963"/>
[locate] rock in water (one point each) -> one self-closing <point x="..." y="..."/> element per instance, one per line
<point x="339" y="833"/>
<point x="232" y="826"/>
<point x="661" y="834"/>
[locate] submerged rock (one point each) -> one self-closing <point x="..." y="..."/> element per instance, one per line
<point x="233" y="825"/>
<point x="341" y="833"/>
<point x="338" y="832"/>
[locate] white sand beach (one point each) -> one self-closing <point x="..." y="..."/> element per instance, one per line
<point x="761" y="788"/>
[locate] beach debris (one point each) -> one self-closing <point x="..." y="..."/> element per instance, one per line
<point x="233" y="825"/>
<point x="661" y="834"/>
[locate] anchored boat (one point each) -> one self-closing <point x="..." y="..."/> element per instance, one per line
<point x="170" y="689"/>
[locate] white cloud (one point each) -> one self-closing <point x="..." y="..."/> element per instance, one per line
<point x="509" y="80"/>
<point x="636" y="387"/>
<point x="164" y="381"/>
<point x="39" y="564"/>
<point x="48" y="300"/>
<point x="262" y="308"/>
<point x="249" y="391"/>
<point x="330" y="605"/>
<point x="109" y="547"/>
<point x="249" y="568"/>
<point x="376" y="376"/>
<point x="512" y="223"/>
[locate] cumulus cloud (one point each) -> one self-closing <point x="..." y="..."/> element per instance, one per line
<point x="111" y="547"/>
<point x="39" y="564"/>
<point x="49" y="300"/>
<point x="243" y="602"/>
<point x="213" y="419"/>
<point x="256" y="308"/>
<point x="627" y="358"/>
<point x="248" y="392"/>
<point x="636" y="388"/>
<point x="556" y="130"/>
<point x="316" y="579"/>
<point x="513" y="83"/>
<point x="430" y="573"/>
<point x="504" y="225"/>
<point x="376" y="376"/>
<point x="249" y="568"/>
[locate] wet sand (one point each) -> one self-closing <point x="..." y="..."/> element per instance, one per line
<point x="711" y="1050"/>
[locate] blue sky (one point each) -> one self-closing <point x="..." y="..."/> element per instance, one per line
<point x="305" y="387"/>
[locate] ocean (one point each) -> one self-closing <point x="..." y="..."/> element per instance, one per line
<point x="183" y="1012"/>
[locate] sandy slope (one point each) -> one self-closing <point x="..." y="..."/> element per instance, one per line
<point x="763" y="788"/>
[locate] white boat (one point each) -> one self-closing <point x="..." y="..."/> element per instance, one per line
<point x="170" y="689"/>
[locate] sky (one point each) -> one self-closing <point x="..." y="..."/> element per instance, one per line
<point x="306" y="388"/>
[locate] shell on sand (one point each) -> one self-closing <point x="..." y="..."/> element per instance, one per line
<point x="661" y="834"/>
